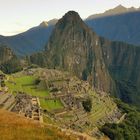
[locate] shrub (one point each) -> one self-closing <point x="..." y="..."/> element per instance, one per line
<point x="87" y="104"/>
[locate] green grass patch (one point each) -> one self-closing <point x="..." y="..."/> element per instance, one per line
<point x="51" y="104"/>
<point x="100" y="107"/>
<point x="26" y="84"/>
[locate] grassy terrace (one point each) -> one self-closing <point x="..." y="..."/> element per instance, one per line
<point x="100" y="107"/>
<point x="51" y="104"/>
<point x="27" y="84"/>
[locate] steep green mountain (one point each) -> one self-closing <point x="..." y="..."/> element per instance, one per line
<point x="118" y="24"/>
<point x="9" y="63"/>
<point x="123" y="63"/>
<point x="74" y="47"/>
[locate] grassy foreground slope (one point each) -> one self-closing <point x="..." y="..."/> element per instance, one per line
<point x="14" y="127"/>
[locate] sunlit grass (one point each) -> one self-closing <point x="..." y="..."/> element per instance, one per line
<point x="51" y="104"/>
<point x="26" y="84"/>
<point x="14" y="127"/>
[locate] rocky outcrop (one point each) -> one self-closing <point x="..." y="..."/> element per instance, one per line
<point x="5" y="54"/>
<point x="9" y="63"/>
<point x="123" y="63"/>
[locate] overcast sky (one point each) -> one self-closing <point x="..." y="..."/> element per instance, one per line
<point x="20" y="15"/>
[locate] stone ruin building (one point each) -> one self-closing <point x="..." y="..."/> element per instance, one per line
<point x="27" y="106"/>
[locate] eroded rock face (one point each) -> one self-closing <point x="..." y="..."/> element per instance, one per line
<point x="9" y="63"/>
<point x="74" y="47"/>
<point x="123" y="63"/>
<point x="5" y="54"/>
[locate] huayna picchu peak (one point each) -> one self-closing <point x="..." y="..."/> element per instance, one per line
<point x="71" y="16"/>
<point x="74" y="47"/>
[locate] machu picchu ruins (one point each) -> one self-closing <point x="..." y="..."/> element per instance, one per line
<point x="63" y="91"/>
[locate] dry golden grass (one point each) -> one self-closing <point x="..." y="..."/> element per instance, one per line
<point x="14" y="127"/>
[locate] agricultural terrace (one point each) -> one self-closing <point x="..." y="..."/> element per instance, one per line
<point x="28" y="84"/>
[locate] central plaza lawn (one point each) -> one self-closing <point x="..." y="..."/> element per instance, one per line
<point x="51" y="104"/>
<point x="26" y="84"/>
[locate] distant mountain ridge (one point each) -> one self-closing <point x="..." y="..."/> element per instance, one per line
<point x="30" y="41"/>
<point x="49" y="23"/>
<point x="118" y="24"/>
<point x="115" y="11"/>
<point x="124" y="27"/>
<point x="53" y="21"/>
<point x="44" y="24"/>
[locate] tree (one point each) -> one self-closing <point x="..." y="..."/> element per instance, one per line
<point x="87" y="104"/>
